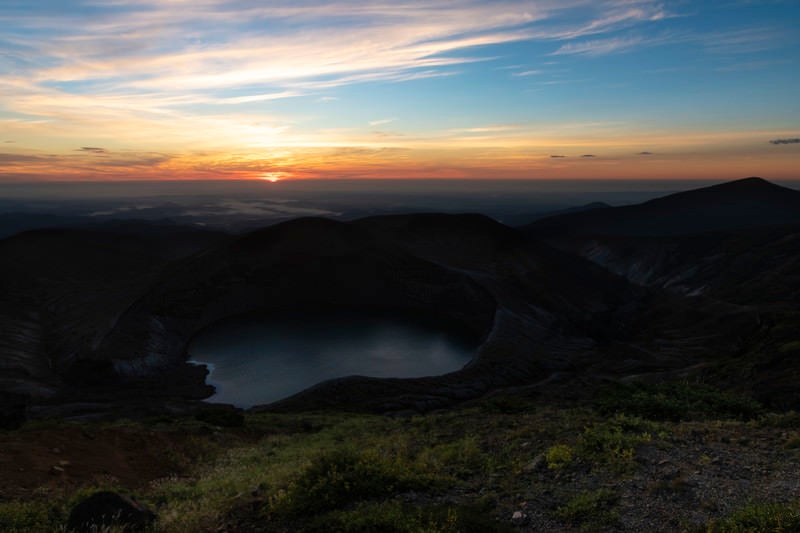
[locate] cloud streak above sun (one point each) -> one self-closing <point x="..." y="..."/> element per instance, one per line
<point x="240" y="88"/>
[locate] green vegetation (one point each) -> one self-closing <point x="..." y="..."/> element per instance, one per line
<point x="789" y="347"/>
<point x="675" y="402"/>
<point x="34" y="515"/>
<point x="787" y="420"/>
<point x="613" y="442"/>
<point x="591" y="510"/>
<point x="396" y="517"/>
<point x="344" y="476"/>
<point x="760" y="518"/>
<point x="489" y="466"/>
<point x="509" y="405"/>
<point x="558" y="456"/>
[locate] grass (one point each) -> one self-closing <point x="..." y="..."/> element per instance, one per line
<point x="591" y="510"/>
<point x="676" y="402"/>
<point x="759" y="518"/>
<point x="613" y="442"/>
<point x="398" y="517"/>
<point x="559" y="456"/>
<point x="789" y="347"/>
<point x="786" y="420"/>
<point x="344" y="476"/>
<point x="468" y="469"/>
<point x="35" y="515"/>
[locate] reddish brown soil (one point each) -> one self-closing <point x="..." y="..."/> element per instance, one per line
<point x="66" y="458"/>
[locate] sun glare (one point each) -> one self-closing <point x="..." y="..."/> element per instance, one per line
<point x="273" y="176"/>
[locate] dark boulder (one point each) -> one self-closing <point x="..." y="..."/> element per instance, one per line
<point x="13" y="410"/>
<point x="221" y="415"/>
<point x="105" y="509"/>
<point x="91" y="373"/>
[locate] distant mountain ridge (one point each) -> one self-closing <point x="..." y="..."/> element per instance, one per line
<point x="106" y="315"/>
<point x="521" y="219"/>
<point x="745" y="203"/>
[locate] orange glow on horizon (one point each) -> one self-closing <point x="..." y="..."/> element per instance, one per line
<point x="274" y="177"/>
<point x="725" y="155"/>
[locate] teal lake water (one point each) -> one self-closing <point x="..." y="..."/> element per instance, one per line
<point x="257" y="360"/>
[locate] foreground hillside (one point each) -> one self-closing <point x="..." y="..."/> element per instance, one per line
<point x="668" y="458"/>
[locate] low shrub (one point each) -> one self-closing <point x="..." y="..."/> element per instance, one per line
<point x="345" y="476"/>
<point x="789" y="347"/>
<point x="675" y="402"/>
<point x="459" y="457"/>
<point x="17" y="516"/>
<point x="614" y="441"/>
<point x="398" y="517"/>
<point x="787" y="420"/>
<point x="509" y="405"/>
<point x="591" y="510"/>
<point x="759" y="518"/>
<point x="558" y="456"/>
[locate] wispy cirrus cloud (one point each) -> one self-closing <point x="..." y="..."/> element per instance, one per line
<point x="742" y="41"/>
<point x="141" y="78"/>
<point x="200" y="45"/>
<point x="127" y="69"/>
<point x="381" y="121"/>
<point x="525" y="73"/>
<point x="734" y="42"/>
<point x="496" y="128"/>
<point x="597" y="47"/>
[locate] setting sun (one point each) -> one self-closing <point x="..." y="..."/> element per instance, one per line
<point x="108" y="90"/>
<point x="274" y="176"/>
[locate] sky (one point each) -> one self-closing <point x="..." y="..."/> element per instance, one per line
<point x="275" y="90"/>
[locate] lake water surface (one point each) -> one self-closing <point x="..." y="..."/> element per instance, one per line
<point x="258" y="360"/>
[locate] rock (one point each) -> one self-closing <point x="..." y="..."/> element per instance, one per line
<point x="13" y="410"/>
<point x="518" y="517"/>
<point x="538" y="462"/>
<point x="106" y="508"/>
<point x="221" y="415"/>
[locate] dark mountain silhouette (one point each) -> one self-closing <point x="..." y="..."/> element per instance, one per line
<point x="463" y="272"/>
<point x="12" y="223"/>
<point x="749" y="260"/>
<point x="755" y="268"/>
<point x="521" y="219"/>
<point x="110" y="322"/>
<point x="737" y="243"/>
<point x="744" y="203"/>
<point x="60" y="289"/>
<point x="750" y="266"/>
<point x="580" y="208"/>
<point x="105" y="316"/>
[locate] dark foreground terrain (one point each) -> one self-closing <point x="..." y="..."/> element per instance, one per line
<point x="682" y="457"/>
<point x="638" y="368"/>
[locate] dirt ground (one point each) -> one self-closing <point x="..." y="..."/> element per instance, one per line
<point x="65" y="458"/>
